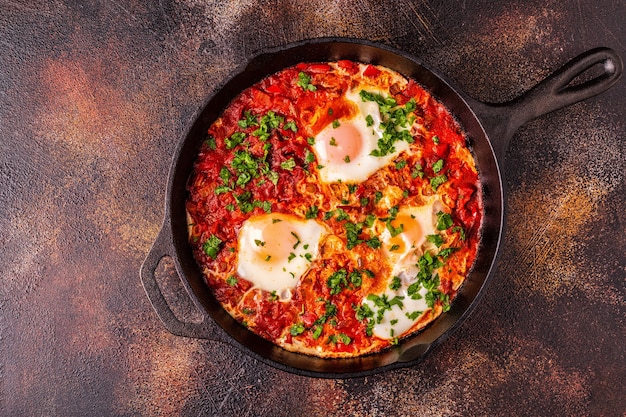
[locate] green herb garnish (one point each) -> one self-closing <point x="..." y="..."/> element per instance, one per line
<point x="437" y="181"/>
<point x="289" y="164"/>
<point x="395" y="283"/>
<point x="336" y="281"/>
<point x="444" y="220"/>
<point x="211" y="246"/>
<point x="304" y="81"/>
<point x="436" y="240"/>
<point x="438" y="166"/>
<point x="297" y="329"/>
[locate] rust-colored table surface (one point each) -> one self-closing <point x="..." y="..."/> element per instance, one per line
<point x="94" y="98"/>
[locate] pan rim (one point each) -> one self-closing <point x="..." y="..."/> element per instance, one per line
<point x="341" y="367"/>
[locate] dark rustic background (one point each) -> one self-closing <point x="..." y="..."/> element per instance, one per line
<point x="95" y="96"/>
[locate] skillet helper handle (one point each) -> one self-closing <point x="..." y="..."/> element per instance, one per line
<point x="162" y="247"/>
<point x="553" y="93"/>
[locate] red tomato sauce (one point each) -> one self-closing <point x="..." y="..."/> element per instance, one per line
<point x="243" y="171"/>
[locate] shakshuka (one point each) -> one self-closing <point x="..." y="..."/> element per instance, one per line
<point x="334" y="208"/>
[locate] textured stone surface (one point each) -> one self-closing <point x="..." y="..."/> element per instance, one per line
<point x="94" y="98"/>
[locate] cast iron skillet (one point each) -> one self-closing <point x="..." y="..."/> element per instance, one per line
<point x="489" y="129"/>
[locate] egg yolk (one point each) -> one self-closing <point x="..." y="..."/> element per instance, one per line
<point x="411" y="233"/>
<point x="277" y="241"/>
<point x="343" y="143"/>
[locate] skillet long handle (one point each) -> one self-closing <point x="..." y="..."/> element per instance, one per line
<point x="162" y="247"/>
<point x="553" y="93"/>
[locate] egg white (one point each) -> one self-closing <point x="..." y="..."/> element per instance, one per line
<point x="396" y="321"/>
<point x="403" y="264"/>
<point x="362" y="165"/>
<point x="424" y="217"/>
<point x="275" y="250"/>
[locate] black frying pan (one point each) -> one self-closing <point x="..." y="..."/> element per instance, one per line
<point x="489" y="129"/>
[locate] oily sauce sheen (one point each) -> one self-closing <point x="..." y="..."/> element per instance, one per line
<point x="334" y="208"/>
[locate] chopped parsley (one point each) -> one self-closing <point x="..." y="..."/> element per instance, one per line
<point x="369" y="220"/>
<point x="221" y="189"/>
<point x="269" y="121"/>
<point x="273" y="177"/>
<point x="289" y="164"/>
<point x="304" y="81"/>
<point x="246" y="166"/>
<point x="249" y="120"/>
<point x="290" y="125"/>
<point x="336" y="281"/>
<point x="417" y="171"/>
<point x="225" y="174"/>
<point x="317" y="332"/>
<point x="309" y="157"/>
<point x="210" y="142"/>
<point x="342" y="215"/>
<point x="374" y="242"/>
<point x="395" y="122"/>
<point x="395" y="283"/>
<point x="211" y="246"/>
<point x="336" y="124"/>
<point x="297" y="329"/>
<point x="344" y="338"/>
<point x="413" y="315"/>
<point x="265" y="205"/>
<point x="436" y="240"/>
<point x="295" y="245"/>
<point x="460" y="230"/>
<point x="311" y="212"/>
<point x="339" y="337"/>
<point x="444" y="221"/>
<point x="331" y="311"/>
<point x="232" y="281"/>
<point x="353" y="230"/>
<point x="234" y="140"/>
<point x="413" y="291"/>
<point x="395" y="231"/>
<point x="383" y="303"/>
<point x="362" y="312"/>
<point x="356" y="278"/>
<point x="435" y="182"/>
<point x="444" y="253"/>
<point x="246" y="205"/>
<point x="438" y="166"/>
